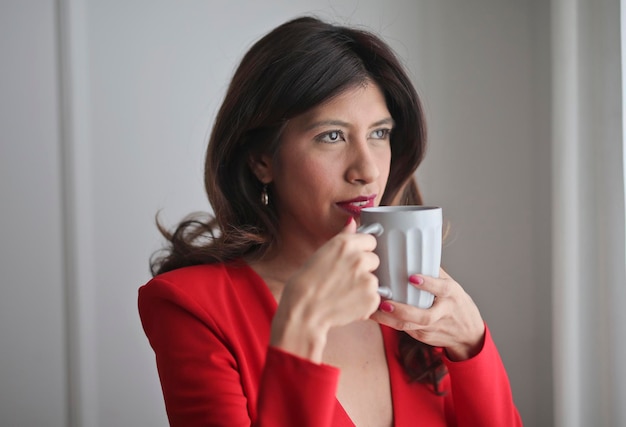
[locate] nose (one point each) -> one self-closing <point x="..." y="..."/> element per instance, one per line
<point x="362" y="167"/>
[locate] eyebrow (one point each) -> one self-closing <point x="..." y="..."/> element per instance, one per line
<point x="387" y="121"/>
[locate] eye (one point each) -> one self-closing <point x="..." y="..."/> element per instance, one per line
<point x="381" y="133"/>
<point x="331" y="137"/>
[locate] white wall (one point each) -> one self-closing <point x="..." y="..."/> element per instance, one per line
<point x="32" y="330"/>
<point x="484" y="71"/>
<point x="145" y="80"/>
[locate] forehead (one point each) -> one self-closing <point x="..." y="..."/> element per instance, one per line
<point x="358" y="103"/>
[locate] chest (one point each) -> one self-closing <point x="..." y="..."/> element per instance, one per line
<point x="364" y="385"/>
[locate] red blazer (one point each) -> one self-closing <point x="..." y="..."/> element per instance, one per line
<point x="209" y="327"/>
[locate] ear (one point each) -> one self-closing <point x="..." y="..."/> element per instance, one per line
<point x="261" y="166"/>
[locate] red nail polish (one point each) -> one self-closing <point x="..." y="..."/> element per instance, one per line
<point x="416" y="279"/>
<point x="348" y="221"/>
<point x="386" y="307"/>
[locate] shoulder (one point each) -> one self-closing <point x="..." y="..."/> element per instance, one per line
<point x="194" y="279"/>
<point x="192" y="276"/>
<point x="208" y="284"/>
<point x="221" y="297"/>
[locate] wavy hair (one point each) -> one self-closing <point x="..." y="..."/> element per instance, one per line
<point x="295" y="67"/>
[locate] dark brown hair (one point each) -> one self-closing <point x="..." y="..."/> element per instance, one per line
<point x="297" y="66"/>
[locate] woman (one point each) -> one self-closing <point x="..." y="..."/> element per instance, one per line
<point x="268" y="314"/>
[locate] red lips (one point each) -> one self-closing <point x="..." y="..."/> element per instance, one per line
<point x="354" y="206"/>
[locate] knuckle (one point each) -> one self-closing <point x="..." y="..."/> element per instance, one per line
<point x="360" y="262"/>
<point x="368" y="283"/>
<point x="375" y="260"/>
<point x="407" y="326"/>
<point x="343" y="245"/>
<point x="426" y="318"/>
<point x="446" y="288"/>
<point x="366" y="261"/>
<point x="373" y="301"/>
<point x="371" y="281"/>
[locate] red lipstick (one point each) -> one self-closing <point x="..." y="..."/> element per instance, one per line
<point x="354" y="206"/>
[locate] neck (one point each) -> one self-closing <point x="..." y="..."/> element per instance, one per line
<point x="281" y="262"/>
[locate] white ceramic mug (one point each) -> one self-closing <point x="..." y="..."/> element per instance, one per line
<point x="408" y="242"/>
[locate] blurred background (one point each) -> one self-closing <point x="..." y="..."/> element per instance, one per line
<point x="105" y="107"/>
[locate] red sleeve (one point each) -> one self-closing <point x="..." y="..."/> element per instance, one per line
<point x="200" y="375"/>
<point x="296" y="392"/>
<point x="480" y="390"/>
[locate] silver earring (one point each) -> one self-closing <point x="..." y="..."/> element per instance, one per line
<point x="265" y="199"/>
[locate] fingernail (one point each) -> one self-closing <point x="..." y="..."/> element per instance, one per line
<point x="348" y="221"/>
<point x="418" y="280"/>
<point x="386" y="306"/>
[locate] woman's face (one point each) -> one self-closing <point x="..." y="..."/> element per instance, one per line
<point x="333" y="161"/>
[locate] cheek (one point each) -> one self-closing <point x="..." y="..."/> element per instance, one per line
<point x="305" y="178"/>
<point x="312" y="177"/>
<point x="384" y="165"/>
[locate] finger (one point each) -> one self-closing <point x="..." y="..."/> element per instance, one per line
<point x="392" y="322"/>
<point x="366" y="296"/>
<point x="347" y="241"/>
<point x="440" y="287"/>
<point x="368" y="261"/>
<point x="373" y="263"/>
<point x="395" y="323"/>
<point x="350" y="226"/>
<point x="404" y="317"/>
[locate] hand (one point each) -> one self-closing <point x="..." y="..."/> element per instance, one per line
<point x="453" y="322"/>
<point x="334" y="287"/>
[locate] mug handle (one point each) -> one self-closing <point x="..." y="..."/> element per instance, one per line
<point x="376" y="229"/>
<point x="385" y="292"/>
